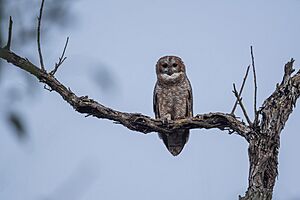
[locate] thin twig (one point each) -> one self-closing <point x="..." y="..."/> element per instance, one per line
<point x="9" y="34"/>
<point x="39" y="36"/>
<point x="61" y="59"/>
<point x="241" y="105"/>
<point x="255" y="87"/>
<point x="241" y="89"/>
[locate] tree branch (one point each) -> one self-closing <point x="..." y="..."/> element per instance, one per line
<point x="239" y="99"/>
<point x="133" y="121"/>
<point x="241" y="90"/>
<point x="9" y="34"/>
<point x="255" y="88"/>
<point x="61" y="59"/>
<point x="39" y="36"/>
<point x="280" y="104"/>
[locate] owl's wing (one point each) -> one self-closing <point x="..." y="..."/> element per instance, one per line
<point x="155" y="102"/>
<point x="189" y="101"/>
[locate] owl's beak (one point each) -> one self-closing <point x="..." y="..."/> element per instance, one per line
<point x="169" y="72"/>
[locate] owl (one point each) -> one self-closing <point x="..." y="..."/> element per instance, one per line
<point x="172" y="99"/>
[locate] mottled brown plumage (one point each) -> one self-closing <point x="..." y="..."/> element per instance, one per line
<point x="172" y="99"/>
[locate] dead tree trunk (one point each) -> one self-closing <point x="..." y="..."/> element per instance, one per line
<point x="263" y="134"/>
<point x="264" y="144"/>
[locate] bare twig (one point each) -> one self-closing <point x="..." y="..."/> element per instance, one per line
<point x="255" y="87"/>
<point x="241" y="89"/>
<point x="9" y="34"/>
<point x="39" y="36"/>
<point x="239" y="99"/>
<point x="61" y="59"/>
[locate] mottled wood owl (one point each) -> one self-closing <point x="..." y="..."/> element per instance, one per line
<point x="172" y="99"/>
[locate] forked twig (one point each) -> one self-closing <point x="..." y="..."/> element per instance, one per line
<point x="241" y="89"/>
<point x="9" y="34"/>
<point x="239" y="99"/>
<point x="39" y="36"/>
<point x="61" y="59"/>
<point x="255" y="87"/>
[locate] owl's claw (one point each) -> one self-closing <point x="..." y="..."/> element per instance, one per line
<point x="166" y="121"/>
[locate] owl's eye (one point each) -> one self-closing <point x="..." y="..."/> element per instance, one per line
<point x="165" y="65"/>
<point x="175" y="65"/>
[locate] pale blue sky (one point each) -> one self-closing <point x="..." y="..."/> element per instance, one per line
<point x="69" y="156"/>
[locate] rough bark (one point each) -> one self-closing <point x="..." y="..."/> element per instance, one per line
<point x="263" y="135"/>
<point x="264" y="146"/>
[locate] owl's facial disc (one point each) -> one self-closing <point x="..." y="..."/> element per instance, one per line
<point x="169" y="72"/>
<point x="170" y="69"/>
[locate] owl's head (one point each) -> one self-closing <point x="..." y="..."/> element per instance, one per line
<point x="170" y="69"/>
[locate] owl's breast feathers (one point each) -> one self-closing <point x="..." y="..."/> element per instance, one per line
<point x="171" y="102"/>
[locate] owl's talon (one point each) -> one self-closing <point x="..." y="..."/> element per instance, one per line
<point x="165" y="121"/>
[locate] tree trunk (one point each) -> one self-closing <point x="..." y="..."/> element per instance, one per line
<point x="265" y="141"/>
<point x="263" y="158"/>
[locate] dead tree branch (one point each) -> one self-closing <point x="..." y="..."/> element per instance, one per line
<point x="239" y="99"/>
<point x="9" y="34"/>
<point x="255" y="88"/>
<point x="61" y="59"/>
<point x="39" y="36"/>
<point x="133" y="121"/>
<point x="241" y="90"/>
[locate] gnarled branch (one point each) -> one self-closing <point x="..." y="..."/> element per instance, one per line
<point x="133" y="121"/>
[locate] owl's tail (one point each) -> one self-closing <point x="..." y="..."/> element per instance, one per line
<point x="175" y="141"/>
